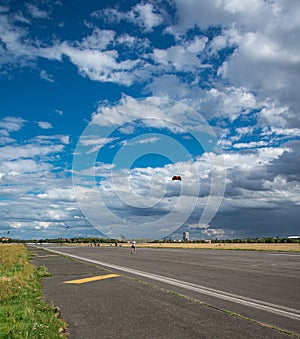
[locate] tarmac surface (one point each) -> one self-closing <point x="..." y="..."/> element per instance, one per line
<point x="161" y="293"/>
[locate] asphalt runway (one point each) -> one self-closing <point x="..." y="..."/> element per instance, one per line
<point x="260" y="286"/>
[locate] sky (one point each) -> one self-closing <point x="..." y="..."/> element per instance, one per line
<point x="103" y="102"/>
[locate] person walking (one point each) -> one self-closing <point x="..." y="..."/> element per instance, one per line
<point x="133" y="247"/>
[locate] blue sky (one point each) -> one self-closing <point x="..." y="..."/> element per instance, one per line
<point x="102" y="102"/>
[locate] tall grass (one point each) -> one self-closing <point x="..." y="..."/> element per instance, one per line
<point x="23" y="314"/>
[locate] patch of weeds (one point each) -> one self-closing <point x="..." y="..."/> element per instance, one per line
<point x="23" y="314"/>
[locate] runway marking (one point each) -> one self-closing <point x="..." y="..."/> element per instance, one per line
<point x="46" y="256"/>
<point x="258" y="304"/>
<point x="85" y="280"/>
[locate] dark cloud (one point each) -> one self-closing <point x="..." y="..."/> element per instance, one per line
<point x="288" y="164"/>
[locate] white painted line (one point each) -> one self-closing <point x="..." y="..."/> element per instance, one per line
<point x="258" y="304"/>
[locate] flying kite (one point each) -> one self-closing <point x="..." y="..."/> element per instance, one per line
<point x="176" y="177"/>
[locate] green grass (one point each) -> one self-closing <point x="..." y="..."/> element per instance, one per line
<point x="23" y="314"/>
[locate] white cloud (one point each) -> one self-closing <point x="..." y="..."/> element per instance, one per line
<point x="99" y="39"/>
<point x="264" y="49"/>
<point x="229" y="102"/>
<point x="28" y="151"/>
<point x="275" y="115"/>
<point x="222" y="13"/>
<point x="101" y="66"/>
<point x="171" y="86"/>
<point x="65" y="139"/>
<point x="291" y="132"/>
<point x="12" y="37"/>
<point x="12" y="124"/>
<point x="111" y="15"/>
<point x="144" y="15"/>
<point x="247" y="72"/>
<point x="58" y="194"/>
<point x="176" y="57"/>
<point x="153" y="112"/>
<point x="44" y="75"/>
<point x="45" y="125"/>
<point x="181" y="57"/>
<point x="150" y="193"/>
<point x="197" y="45"/>
<point x="263" y="34"/>
<point x="36" y="12"/>
<point x="252" y="144"/>
<point x="129" y="194"/>
<point x="95" y="142"/>
<point x="150" y="140"/>
<point x="19" y="49"/>
<point x="18" y="169"/>
<point x="51" y="139"/>
<point x="36" y="193"/>
<point x="229" y="37"/>
<point x="126" y="39"/>
<point x="19" y="17"/>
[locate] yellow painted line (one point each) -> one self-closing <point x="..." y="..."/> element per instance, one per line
<point x="85" y="280"/>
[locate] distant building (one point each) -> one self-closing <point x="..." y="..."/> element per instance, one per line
<point x="186" y="236"/>
<point x="294" y="237"/>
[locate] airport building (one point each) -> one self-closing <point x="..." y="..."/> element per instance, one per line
<point x="186" y="236"/>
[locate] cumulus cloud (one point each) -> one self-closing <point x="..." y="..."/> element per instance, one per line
<point x="99" y="39"/>
<point x="147" y="195"/>
<point x="236" y="63"/>
<point x="261" y="33"/>
<point x="28" y="151"/>
<point x="12" y="124"/>
<point x="34" y="197"/>
<point x="89" y="55"/>
<point x="152" y="112"/>
<point x="36" y="12"/>
<point x="261" y="197"/>
<point x="265" y="56"/>
<point x="101" y="66"/>
<point x="287" y="165"/>
<point x="250" y="182"/>
<point x="44" y="124"/>
<point x="144" y="15"/>
<point x="176" y="57"/>
<point x="58" y="194"/>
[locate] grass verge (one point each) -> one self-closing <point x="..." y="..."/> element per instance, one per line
<point x="23" y="314"/>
